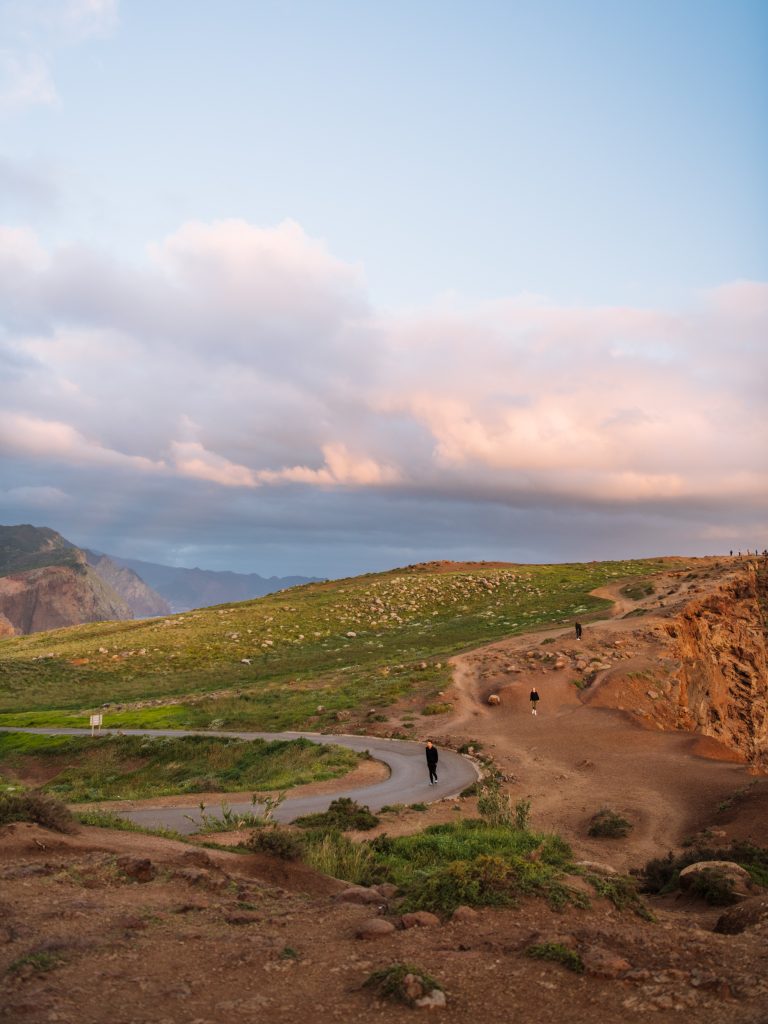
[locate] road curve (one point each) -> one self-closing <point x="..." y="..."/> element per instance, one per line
<point x="408" y="781"/>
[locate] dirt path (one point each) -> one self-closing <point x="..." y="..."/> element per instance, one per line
<point x="575" y="756"/>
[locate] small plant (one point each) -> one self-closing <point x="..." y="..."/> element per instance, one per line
<point x="289" y="953"/>
<point x="557" y="953"/>
<point x="494" y="805"/>
<point x="277" y="842"/>
<point x="343" y="815"/>
<point x="471" y="747"/>
<point x="229" y="821"/>
<point x="522" y="814"/>
<point x="608" y="824"/>
<point x="334" y="854"/>
<point x="714" y="887"/>
<point x="39" y="962"/>
<point x="437" y="709"/>
<point x="37" y="808"/>
<point x="417" y="807"/>
<point x="622" y="892"/>
<point x="402" y="983"/>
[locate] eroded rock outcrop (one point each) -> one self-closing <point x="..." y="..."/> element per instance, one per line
<point x="722" y="680"/>
<point x="56" y="596"/>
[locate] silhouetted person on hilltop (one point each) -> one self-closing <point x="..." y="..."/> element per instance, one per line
<point x="431" y="752"/>
<point x="578" y="631"/>
<point x="534" y="699"/>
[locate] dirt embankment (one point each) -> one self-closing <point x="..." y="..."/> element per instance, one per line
<point x="722" y="682"/>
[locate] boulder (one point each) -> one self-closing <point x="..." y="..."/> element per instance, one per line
<point x="735" y="920"/>
<point x="420" y="919"/>
<point x="360" y="895"/>
<point x="140" y="869"/>
<point x="738" y="877"/>
<point x="603" y="963"/>
<point x="596" y="867"/>
<point x="374" y="928"/>
<point x="462" y="915"/>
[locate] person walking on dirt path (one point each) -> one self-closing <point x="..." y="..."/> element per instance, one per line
<point x="534" y="698"/>
<point x="431" y="752"/>
<point x="578" y="630"/>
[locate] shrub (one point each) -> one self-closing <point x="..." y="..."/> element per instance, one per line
<point x="437" y="709"/>
<point x="522" y="814"/>
<point x="487" y="881"/>
<point x="622" y="892"/>
<point x="390" y="983"/>
<point x="277" y="842"/>
<point x="343" y="815"/>
<point x="714" y="887"/>
<point x="494" y="805"/>
<point x="558" y="954"/>
<point x="38" y="808"/>
<point x="334" y="854"/>
<point x="609" y="824"/>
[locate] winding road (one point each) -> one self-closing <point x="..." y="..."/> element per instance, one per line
<point x="408" y="781"/>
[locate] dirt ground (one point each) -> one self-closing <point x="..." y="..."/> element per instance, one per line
<point x="89" y="934"/>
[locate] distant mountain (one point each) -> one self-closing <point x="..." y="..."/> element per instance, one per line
<point x="46" y="582"/>
<point x="143" y="601"/>
<point x="200" y="588"/>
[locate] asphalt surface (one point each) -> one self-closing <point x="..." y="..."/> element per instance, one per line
<point x="408" y="782"/>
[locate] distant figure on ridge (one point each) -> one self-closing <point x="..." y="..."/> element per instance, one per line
<point x="431" y="752"/>
<point x="578" y="631"/>
<point x="534" y="698"/>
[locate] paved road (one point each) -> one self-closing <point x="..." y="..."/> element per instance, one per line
<point x="408" y="782"/>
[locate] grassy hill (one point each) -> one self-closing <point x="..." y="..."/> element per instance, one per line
<point x="27" y="547"/>
<point x="338" y="645"/>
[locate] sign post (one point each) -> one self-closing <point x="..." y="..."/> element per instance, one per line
<point x="96" y="721"/>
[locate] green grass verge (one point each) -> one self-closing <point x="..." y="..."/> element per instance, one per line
<point x="81" y="768"/>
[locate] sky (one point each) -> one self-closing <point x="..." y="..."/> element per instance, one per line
<point x="326" y="287"/>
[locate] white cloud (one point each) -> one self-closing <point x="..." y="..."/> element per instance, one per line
<point x="245" y="357"/>
<point x="38" y="497"/>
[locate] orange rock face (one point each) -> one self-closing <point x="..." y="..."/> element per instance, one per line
<point x="723" y="674"/>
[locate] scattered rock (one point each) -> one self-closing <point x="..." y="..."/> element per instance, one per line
<point x="420" y="919"/>
<point x="603" y="963"/>
<point x="462" y="915"/>
<point x="359" y="894"/>
<point x="374" y="928"/>
<point x="494" y="699"/>
<point x="140" y="869"/>
<point x="387" y="889"/>
<point x="434" y="1000"/>
<point x="735" y="920"/>
<point x="596" y="867"/>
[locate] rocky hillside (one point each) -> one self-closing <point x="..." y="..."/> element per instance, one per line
<point x="55" y="596"/>
<point x="723" y="675"/>
<point x="143" y="601"/>
<point x="46" y="582"/>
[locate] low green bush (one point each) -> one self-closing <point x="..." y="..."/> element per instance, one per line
<point x="277" y="842"/>
<point x="343" y="815"/>
<point x="390" y="983"/>
<point x="608" y="824"/>
<point x="558" y="954"/>
<point x="332" y="853"/>
<point x="38" y="808"/>
<point x="714" y="887"/>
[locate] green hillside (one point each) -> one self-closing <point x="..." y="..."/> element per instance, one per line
<point x="340" y="645"/>
<point x="27" y="547"/>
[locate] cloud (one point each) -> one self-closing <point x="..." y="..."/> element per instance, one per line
<point x="247" y="360"/>
<point x="37" y="497"/>
<point x="33" y="31"/>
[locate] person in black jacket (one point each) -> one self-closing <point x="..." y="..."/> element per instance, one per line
<point x="534" y="699"/>
<point x="431" y="752"/>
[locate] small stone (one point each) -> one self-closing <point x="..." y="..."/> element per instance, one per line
<point x="359" y="894"/>
<point x="434" y="1000"/>
<point x="603" y="963"/>
<point x="374" y="928"/>
<point x="462" y="915"/>
<point x="420" y="919"/>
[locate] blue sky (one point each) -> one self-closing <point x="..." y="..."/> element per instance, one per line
<point x="431" y="237"/>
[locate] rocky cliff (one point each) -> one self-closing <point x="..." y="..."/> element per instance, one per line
<point x="722" y="681"/>
<point x="55" y="596"/>
<point x="141" y="599"/>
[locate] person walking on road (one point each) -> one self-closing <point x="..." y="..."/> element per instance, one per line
<point x="534" y="699"/>
<point x="431" y="752"/>
<point x="578" y="630"/>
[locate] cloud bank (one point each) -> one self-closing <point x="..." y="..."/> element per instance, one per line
<point x="244" y="368"/>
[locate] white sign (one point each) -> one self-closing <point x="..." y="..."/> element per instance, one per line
<point x="96" y="721"/>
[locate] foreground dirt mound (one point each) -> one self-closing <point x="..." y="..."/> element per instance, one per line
<point x="131" y="929"/>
